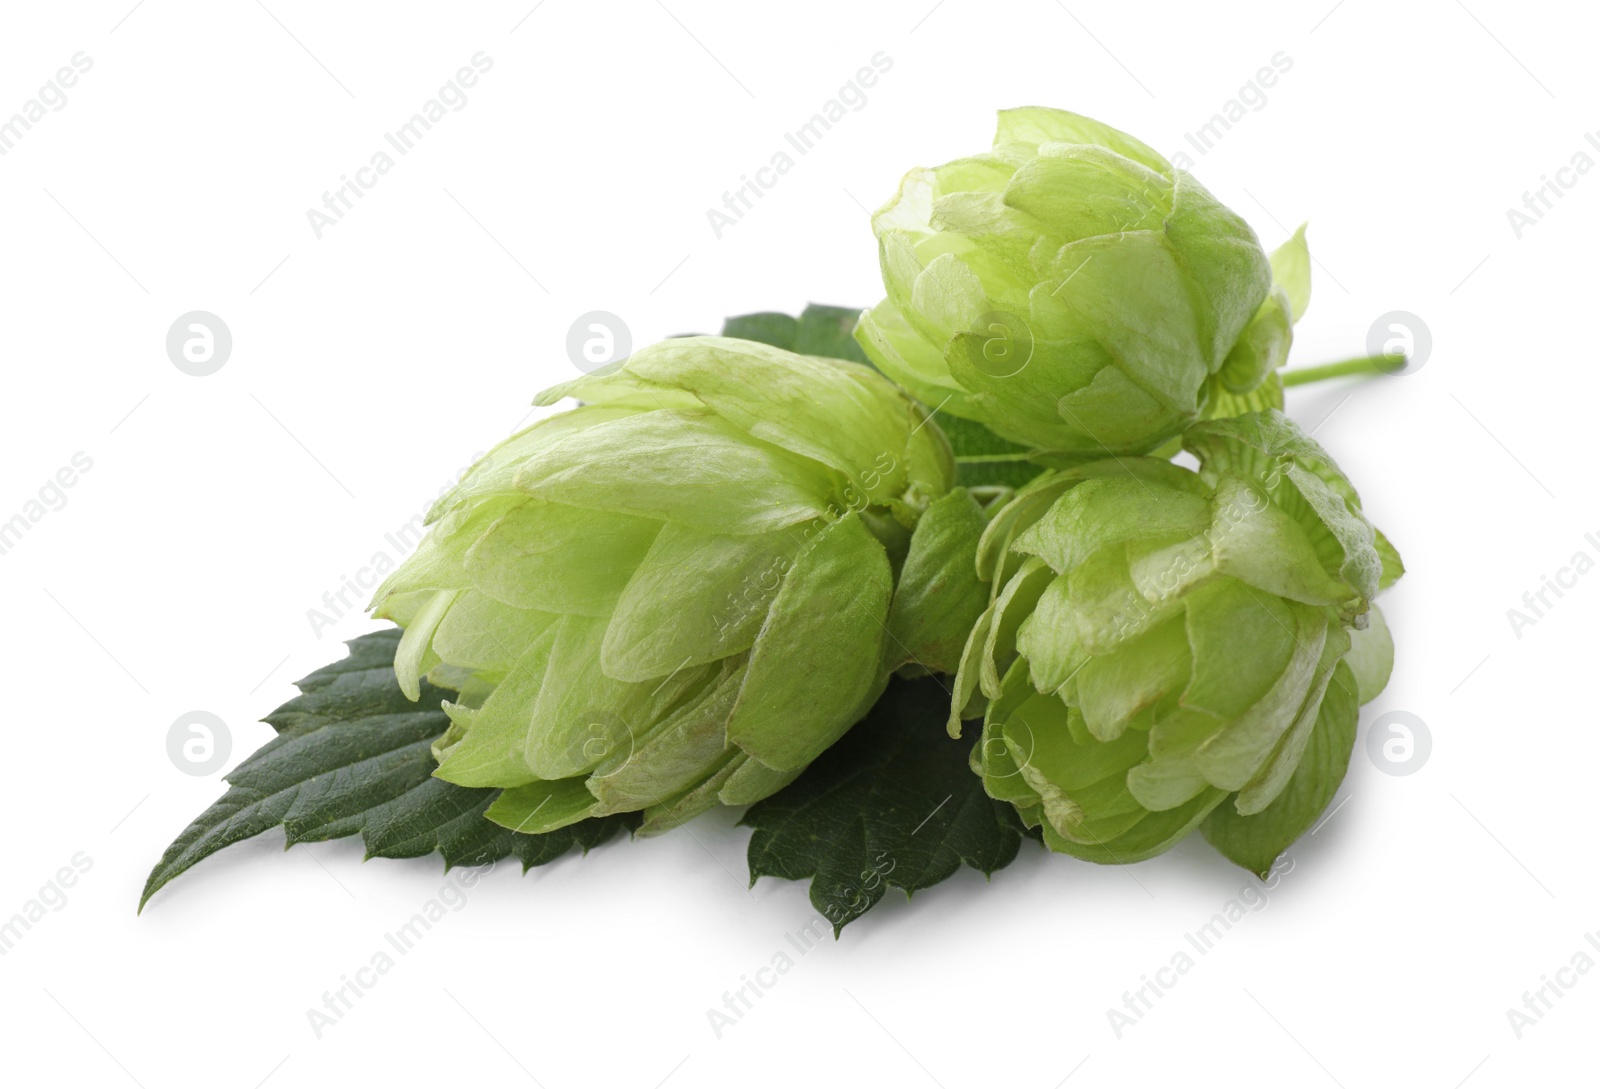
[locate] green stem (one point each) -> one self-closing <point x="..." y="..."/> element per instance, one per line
<point x="1367" y="364"/>
<point x="975" y="459"/>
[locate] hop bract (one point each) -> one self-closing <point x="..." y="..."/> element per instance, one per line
<point x="1161" y="639"/>
<point x="677" y="593"/>
<point x="1074" y="291"/>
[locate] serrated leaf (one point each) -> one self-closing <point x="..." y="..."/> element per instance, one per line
<point x="819" y="330"/>
<point x="778" y="330"/>
<point x="893" y="803"/>
<point x="353" y="756"/>
<point x="1256" y="841"/>
<point x="982" y="457"/>
<point x="829" y="331"/>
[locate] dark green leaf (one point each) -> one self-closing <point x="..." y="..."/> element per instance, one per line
<point x="352" y="756"/>
<point x="778" y="330"/>
<point x="829" y="331"/>
<point x="893" y="803"/>
<point x="1255" y="842"/>
<point x="820" y="330"/>
<point x="975" y="445"/>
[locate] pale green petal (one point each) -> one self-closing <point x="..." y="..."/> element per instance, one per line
<point x="1153" y="834"/>
<point x="751" y="781"/>
<point x="697" y="596"/>
<point x="1113" y="412"/>
<point x="1035" y="125"/>
<point x="818" y="657"/>
<point x="905" y="356"/>
<point x="1074" y="191"/>
<point x="1232" y="757"/>
<point x="1164" y="568"/>
<point x="1389" y="557"/>
<point x="1111" y="510"/>
<point x="1242" y="641"/>
<point x="677" y="754"/>
<point x="1108" y="607"/>
<point x="964" y="692"/>
<point x="1112" y="689"/>
<point x="994" y="758"/>
<point x="619" y="386"/>
<point x="1353" y="543"/>
<point x="1130" y="294"/>
<point x="946" y="298"/>
<point x="493" y="751"/>
<point x="493" y="473"/>
<point x="1167" y="782"/>
<point x="1258" y="542"/>
<point x="939" y="595"/>
<point x="1224" y="261"/>
<point x="692" y="468"/>
<point x="817" y="408"/>
<point x="1291" y="270"/>
<point x="559" y="558"/>
<point x="415" y="655"/>
<point x="672" y="812"/>
<point x="1268" y="395"/>
<point x="1257" y="840"/>
<point x="438" y="562"/>
<point x="974" y="174"/>
<point x="541" y="806"/>
<point x="583" y="718"/>
<point x="1265" y="786"/>
<point x="1012" y="609"/>
<point x="480" y="633"/>
<point x="1262" y="348"/>
<point x="1024" y="508"/>
<point x="1371" y="657"/>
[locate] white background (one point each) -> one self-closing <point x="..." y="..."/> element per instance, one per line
<point x="369" y="366"/>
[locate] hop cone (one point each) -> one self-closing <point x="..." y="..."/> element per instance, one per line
<point x="1075" y="292"/>
<point x="677" y="593"/>
<point x="1161" y="639"/>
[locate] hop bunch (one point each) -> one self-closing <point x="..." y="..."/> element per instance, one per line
<point x="683" y="591"/>
<point x="1161" y="641"/>
<point x="1074" y="291"/>
<point x="675" y="595"/>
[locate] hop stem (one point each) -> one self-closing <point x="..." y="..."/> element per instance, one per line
<point x="986" y="459"/>
<point x="1367" y="364"/>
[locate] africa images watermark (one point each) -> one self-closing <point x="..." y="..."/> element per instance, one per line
<point x="1251" y="898"/>
<point x="51" y="897"/>
<point x="1539" y="1002"/>
<point x="353" y="591"/>
<point x="740" y="1001"/>
<point x="851" y="98"/>
<point x="1541" y="200"/>
<point x="51" y="497"/>
<point x="50" y="98"/>
<point x="450" y="898"/>
<point x="450" y="98"/>
<point x="1538" y="602"/>
<point x="1252" y="98"/>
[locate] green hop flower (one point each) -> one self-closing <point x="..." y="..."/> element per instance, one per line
<point x="1075" y="292"/>
<point x="1160" y="640"/>
<point x="674" y="595"/>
